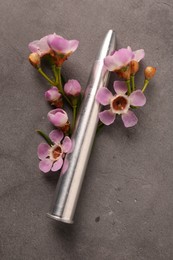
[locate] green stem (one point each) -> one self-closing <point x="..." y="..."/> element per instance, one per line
<point x="74" y="117"/>
<point x="59" y="85"/>
<point x="63" y="80"/>
<point x="128" y="87"/>
<point x="45" y="76"/>
<point x="145" y="85"/>
<point x="133" y="82"/>
<point x="55" y="74"/>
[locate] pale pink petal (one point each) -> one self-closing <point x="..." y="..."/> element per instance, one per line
<point x="120" y="87"/>
<point x="124" y="56"/>
<point x="119" y="59"/>
<point x="43" y="150"/>
<point x="33" y="46"/>
<point x="45" y="165"/>
<point x="139" y="55"/>
<point x="52" y="94"/>
<point x="103" y="96"/>
<point x="61" y="45"/>
<point x="129" y="119"/>
<point x="137" y="98"/>
<point x="58" y="117"/>
<point x="111" y="64"/>
<point x="129" y="48"/>
<point x="40" y="46"/>
<point x="57" y="165"/>
<point x="65" y="166"/>
<point x="66" y="144"/>
<point x="51" y="37"/>
<point x="107" y="117"/>
<point x="56" y="136"/>
<point x="72" y="87"/>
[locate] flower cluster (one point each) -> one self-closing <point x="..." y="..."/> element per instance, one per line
<point x="56" y="50"/>
<point x="125" y="63"/>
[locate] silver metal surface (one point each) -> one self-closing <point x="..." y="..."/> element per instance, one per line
<point x="69" y="184"/>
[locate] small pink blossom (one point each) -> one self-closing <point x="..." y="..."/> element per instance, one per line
<point x="119" y="104"/>
<point x="52" y="157"/>
<point x="58" y="117"/>
<point x="72" y="88"/>
<point x="121" y="58"/>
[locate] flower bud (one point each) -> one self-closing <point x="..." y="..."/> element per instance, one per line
<point x="54" y="97"/>
<point x="58" y="117"/>
<point x="149" y="72"/>
<point x="72" y="88"/>
<point x="134" y="67"/>
<point x="34" y="59"/>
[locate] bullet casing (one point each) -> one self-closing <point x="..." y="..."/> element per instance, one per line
<point x="70" y="182"/>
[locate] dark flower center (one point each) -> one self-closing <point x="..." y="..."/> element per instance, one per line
<point x="56" y="152"/>
<point x="119" y="103"/>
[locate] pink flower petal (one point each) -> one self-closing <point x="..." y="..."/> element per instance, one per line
<point x="56" y="136"/>
<point x="138" y="55"/>
<point x="120" y="87"/>
<point x="103" y="96"/>
<point x="57" y="165"/>
<point x="58" y="117"/>
<point x="45" y="165"/>
<point x="129" y="48"/>
<point x="107" y="117"/>
<point x="61" y="45"/>
<point x="111" y="64"/>
<point x="52" y="94"/>
<point x="137" y="98"/>
<point x="43" y="150"/>
<point x="129" y="119"/>
<point x="72" y="87"/>
<point x="119" y="59"/>
<point x="40" y="46"/>
<point x="66" y="144"/>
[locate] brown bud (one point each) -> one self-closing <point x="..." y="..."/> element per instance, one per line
<point x="134" y="67"/>
<point x="34" y="59"/>
<point x="149" y="72"/>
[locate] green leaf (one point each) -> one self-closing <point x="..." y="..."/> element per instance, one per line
<point x="46" y="137"/>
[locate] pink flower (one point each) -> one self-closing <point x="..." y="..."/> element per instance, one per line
<point x="58" y="117"/>
<point x="122" y="58"/>
<point x="119" y="104"/>
<point x="40" y="47"/>
<point x="52" y="156"/>
<point x="62" y="46"/>
<point x="72" y="88"/>
<point x="52" y="94"/>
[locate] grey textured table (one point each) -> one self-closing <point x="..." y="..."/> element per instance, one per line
<point x="125" y="211"/>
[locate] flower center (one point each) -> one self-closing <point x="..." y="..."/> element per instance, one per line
<point x="120" y="104"/>
<point x="56" y="152"/>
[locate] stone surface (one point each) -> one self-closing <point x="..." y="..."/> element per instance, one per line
<point x="125" y="211"/>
